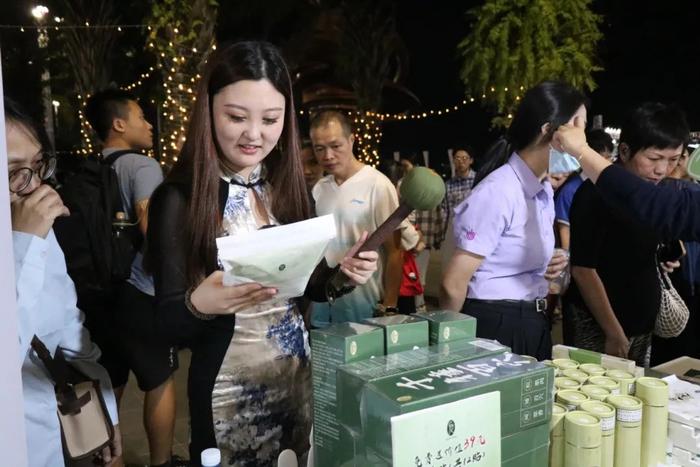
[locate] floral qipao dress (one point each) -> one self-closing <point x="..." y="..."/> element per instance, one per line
<point x="261" y="399"/>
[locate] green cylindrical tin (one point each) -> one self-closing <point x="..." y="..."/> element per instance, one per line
<point x="628" y="430"/>
<point x="556" y="436"/>
<point x="592" y="369"/>
<point x="625" y="379"/>
<point x="565" y="364"/>
<point x="578" y="375"/>
<point x="608" y="383"/>
<point x="597" y="393"/>
<point x="562" y="383"/>
<point x="583" y="435"/>
<point x="606" y="413"/>
<point x="571" y="399"/>
<point x="654" y="394"/>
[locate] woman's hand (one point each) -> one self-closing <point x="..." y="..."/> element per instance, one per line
<point x="35" y="213"/>
<point x="669" y="266"/>
<point x="359" y="270"/>
<point x="571" y="138"/>
<point x="212" y="297"/>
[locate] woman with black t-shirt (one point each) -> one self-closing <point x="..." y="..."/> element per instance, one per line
<point x="614" y="298"/>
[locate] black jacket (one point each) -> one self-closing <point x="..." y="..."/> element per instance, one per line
<point x="673" y="213"/>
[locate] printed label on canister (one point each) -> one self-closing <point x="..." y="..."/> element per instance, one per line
<point x="629" y="416"/>
<point x="607" y="424"/>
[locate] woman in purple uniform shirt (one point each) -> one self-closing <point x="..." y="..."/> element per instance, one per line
<point x="504" y="230"/>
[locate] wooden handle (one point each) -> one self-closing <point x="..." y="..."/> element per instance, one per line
<point x="378" y="237"/>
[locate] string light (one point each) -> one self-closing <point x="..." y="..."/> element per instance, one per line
<point x="86" y="25"/>
<point x="368" y="135"/>
<point x="85" y="130"/>
<point x="178" y="61"/>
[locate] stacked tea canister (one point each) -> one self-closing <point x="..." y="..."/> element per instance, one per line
<point x="607" y="417"/>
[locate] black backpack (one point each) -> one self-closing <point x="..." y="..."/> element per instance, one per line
<point x="98" y="260"/>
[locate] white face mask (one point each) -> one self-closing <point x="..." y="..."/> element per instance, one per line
<point x="561" y="162"/>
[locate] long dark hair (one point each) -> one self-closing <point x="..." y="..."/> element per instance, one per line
<point x="199" y="159"/>
<point x="550" y="102"/>
<point x="16" y="114"/>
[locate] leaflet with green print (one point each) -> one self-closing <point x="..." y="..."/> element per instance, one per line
<point x="525" y="387"/>
<point x="283" y="256"/>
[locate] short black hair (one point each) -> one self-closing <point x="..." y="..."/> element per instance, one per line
<point x="411" y="157"/>
<point x="654" y="125"/>
<point x="599" y="140"/>
<point x="106" y="105"/>
<point x="324" y="117"/>
<point x="465" y="148"/>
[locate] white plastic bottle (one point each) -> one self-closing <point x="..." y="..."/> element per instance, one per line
<point x="211" y="458"/>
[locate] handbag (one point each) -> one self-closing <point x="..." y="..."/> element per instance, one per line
<point x="86" y="427"/>
<point x="673" y="312"/>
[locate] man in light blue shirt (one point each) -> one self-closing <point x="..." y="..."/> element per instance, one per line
<point x="46" y="298"/>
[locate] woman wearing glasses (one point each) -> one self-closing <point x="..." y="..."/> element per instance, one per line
<point x="46" y="300"/>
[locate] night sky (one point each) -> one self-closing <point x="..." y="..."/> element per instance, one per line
<point x="648" y="52"/>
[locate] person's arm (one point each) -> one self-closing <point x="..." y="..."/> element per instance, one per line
<point x="479" y="222"/>
<point x="596" y="299"/>
<point x="588" y="235"/>
<point x="455" y="281"/>
<point x="30" y="253"/>
<point x="562" y="208"/>
<point x="672" y="213"/>
<point x="357" y="271"/>
<point x="145" y="178"/>
<point x="141" y="211"/>
<point x="564" y="235"/>
<point x="166" y="260"/>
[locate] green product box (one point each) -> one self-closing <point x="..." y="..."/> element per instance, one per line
<point x="526" y="441"/>
<point x="353" y="377"/>
<point x="525" y="389"/>
<point x="526" y="448"/>
<point x="448" y="326"/>
<point x="331" y="347"/>
<point x="401" y="332"/>
<point x="538" y="457"/>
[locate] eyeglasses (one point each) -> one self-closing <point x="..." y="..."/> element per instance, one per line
<point x="22" y="177"/>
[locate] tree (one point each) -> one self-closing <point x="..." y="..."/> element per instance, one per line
<point x="515" y="44"/>
<point x="182" y="34"/>
<point x="371" y="52"/>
